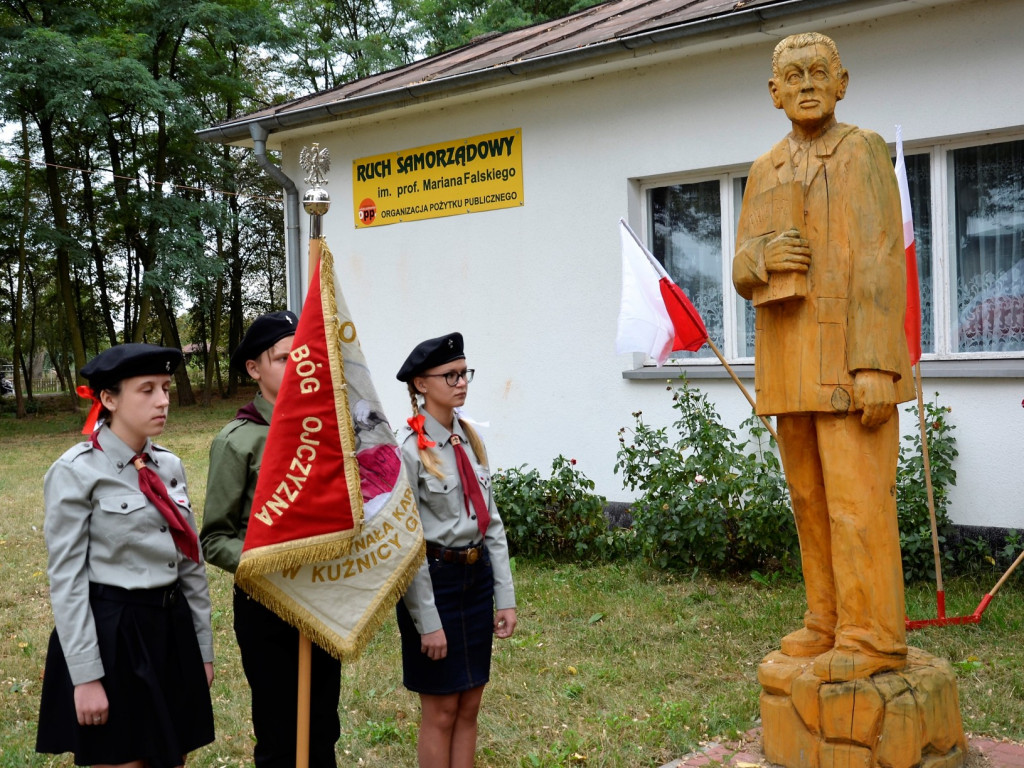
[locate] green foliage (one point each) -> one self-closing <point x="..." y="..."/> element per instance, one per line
<point x="912" y="491"/>
<point x="376" y="733"/>
<point x="706" y="500"/>
<point x="449" y="24"/>
<point x="559" y="517"/>
<point x="984" y="556"/>
<point x="1011" y="549"/>
<point x="117" y="249"/>
<point x="329" y="44"/>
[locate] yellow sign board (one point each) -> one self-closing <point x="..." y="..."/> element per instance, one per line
<point x="481" y="173"/>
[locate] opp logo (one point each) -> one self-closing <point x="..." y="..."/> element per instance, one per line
<point x="367" y="212"/>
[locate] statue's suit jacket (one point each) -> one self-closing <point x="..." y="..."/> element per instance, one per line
<point x="808" y="350"/>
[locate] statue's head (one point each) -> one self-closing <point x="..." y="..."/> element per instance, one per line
<point x="807" y="79"/>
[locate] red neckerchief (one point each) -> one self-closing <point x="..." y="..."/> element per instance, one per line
<point x="470" y="486"/>
<point x="153" y="488"/>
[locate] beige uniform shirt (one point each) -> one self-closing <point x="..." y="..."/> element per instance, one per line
<point x="445" y="521"/>
<point x="99" y="527"/>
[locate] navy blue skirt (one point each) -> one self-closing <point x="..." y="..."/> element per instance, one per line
<point x="154" y="678"/>
<point x="464" y="595"/>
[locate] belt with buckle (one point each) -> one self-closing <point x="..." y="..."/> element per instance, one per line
<point x="161" y="597"/>
<point x="461" y="555"/>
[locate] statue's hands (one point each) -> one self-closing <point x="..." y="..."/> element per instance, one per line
<point x="787" y="252"/>
<point x="874" y="394"/>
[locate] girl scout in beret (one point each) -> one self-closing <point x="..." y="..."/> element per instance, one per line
<point x="463" y="594"/>
<point x="269" y="646"/>
<point x="130" y="662"/>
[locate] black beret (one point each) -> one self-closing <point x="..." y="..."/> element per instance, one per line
<point x="265" y="331"/>
<point x="430" y="354"/>
<point x="126" y="360"/>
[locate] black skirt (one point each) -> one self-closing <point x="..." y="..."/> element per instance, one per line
<point x="464" y="595"/>
<point x="154" y="678"/>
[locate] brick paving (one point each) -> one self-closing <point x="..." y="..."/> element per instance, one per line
<point x="1001" y="754"/>
<point x="746" y="753"/>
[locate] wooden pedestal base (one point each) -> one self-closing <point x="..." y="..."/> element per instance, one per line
<point x="899" y="719"/>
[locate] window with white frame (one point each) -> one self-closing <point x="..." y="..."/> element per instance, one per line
<point x="968" y="208"/>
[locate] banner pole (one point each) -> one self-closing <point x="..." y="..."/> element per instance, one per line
<point x="316" y="201"/>
<point x="314" y="257"/>
<point x="302" y="711"/>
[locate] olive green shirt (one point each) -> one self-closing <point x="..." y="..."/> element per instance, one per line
<point x="235" y="458"/>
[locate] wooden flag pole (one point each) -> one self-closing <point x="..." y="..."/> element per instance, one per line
<point x="302" y="711"/>
<point x="314" y="257"/>
<point x="316" y="201"/>
<point x="940" y="593"/>
<point x="302" y="708"/>
<point x="743" y="389"/>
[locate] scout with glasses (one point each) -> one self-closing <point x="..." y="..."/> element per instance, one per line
<point x="463" y="593"/>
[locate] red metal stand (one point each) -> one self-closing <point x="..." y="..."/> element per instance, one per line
<point x="942" y="620"/>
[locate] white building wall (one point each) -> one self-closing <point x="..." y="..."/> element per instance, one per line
<point x="535" y="289"/>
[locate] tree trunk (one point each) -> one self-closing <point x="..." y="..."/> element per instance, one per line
<point x="60" y="221"/>
<point x="170" y="331"/>
<point x="26" y="370"/>
<point x="236" y="326"/>
<point x="136" y="301"/>
<point x="211" y="353"/>
<point x="19" y="314"/>
<point x="89" y="203"/>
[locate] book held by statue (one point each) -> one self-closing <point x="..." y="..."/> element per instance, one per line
<point x="772" y="212"/>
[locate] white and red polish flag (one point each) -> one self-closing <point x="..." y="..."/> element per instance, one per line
<point x="912" y="320"/>
<point x="334" y="537"/>
<point x="655" y="316"/>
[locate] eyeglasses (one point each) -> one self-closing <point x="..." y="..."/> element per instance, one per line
<point x="451" y="378"/>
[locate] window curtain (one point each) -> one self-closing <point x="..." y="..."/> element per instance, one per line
<point x="686" y="227"/>
<point x="988" y="215"/>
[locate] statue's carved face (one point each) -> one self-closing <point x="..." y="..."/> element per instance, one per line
<point x="807" y="87"/>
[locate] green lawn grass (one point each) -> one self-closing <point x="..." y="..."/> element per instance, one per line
<point x="611" y="665"/>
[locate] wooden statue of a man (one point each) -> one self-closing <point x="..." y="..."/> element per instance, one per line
<point x="820" y="252"/>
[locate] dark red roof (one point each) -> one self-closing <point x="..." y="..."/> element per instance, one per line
<point x="616" y="25"/>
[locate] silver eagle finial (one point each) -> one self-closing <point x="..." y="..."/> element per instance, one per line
<point x="316" y="162"/>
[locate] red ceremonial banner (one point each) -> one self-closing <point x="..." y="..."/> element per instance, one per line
<point x="302" y="509"/>
<point x="334" y="537"/>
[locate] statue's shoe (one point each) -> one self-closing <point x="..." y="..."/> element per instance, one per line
<point x="807" y="642"/>
<point x="837" y="665"/>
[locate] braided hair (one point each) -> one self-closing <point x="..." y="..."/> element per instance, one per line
<point x="428" y="456"/>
